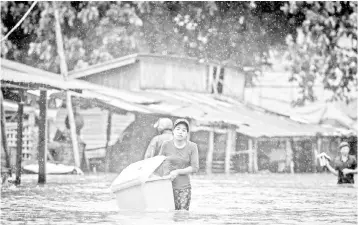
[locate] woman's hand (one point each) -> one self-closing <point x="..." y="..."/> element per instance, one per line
<point x="173" y="174"/>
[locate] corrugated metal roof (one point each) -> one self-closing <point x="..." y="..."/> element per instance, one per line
<point x="313" y="113"/>
<point x="33" y="78"/>
<point x="202" y="107"/>
<point x="17" y="73"/>
<point x="208" y="109"/>
<point x="114" y="63"/>
<point x="205" y="107"/>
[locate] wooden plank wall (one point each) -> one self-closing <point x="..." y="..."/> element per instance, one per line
<point x="95" y="126"/>
<point x="176" y="74"/>
<point x="29" y="144"/>
<point x="234" y="83"/>
<point x="219" y="153"/>
<point x="173" y="74"/>
<point x="213" y="151"/>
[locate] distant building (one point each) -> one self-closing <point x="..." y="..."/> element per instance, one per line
<point x="149" y="71"/>
<point x="121" y="100"/>
<point x="273" y="93"/>
<point x="232" y="136"/>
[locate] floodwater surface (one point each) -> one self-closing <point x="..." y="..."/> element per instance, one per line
<point x="218" y="199"/>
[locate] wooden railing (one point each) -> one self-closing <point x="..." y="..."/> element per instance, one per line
<point x="29" y="141"/>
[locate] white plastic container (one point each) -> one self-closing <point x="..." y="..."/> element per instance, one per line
<point x="136" y="188"/>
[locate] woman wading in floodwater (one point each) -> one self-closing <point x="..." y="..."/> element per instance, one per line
<point x="345" y="165"/>
<point x="182" y="160"/>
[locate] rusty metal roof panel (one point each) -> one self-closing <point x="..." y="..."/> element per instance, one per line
<point x="207" y="107"/>
<point x="33" y="81"/>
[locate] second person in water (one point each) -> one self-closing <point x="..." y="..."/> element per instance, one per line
<point x="164" y="127"/>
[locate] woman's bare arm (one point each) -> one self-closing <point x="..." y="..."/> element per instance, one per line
<point x="330" y="168"/>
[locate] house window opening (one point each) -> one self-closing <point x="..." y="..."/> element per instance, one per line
<point x="217" y="80"/>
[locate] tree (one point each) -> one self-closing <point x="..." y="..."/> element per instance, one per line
<point x="239" y="33"/>
<point x="15" y="46"/>
<point x="228" y="32"/>
<point x="93" y="32"/>
<point x="325" y="48"/>
<point x="236" y="32"/>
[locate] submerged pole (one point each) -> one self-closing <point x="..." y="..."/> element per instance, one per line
<point x="109" y="133"/>
<point x="251" y="156"/>
<point x="289" y="156"/>
<point x="20" y="124"/>
<point x="229" y="148"/>
<point x="209" y="156"/>
<point x="255" y="167"/>
<point x="42" y="157"/>
<point x="3" y="135"/>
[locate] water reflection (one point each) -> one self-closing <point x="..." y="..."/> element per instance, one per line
<point x="241" y="199"/>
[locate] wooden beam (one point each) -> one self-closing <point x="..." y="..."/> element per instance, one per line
<point x="32" y="86"/>
<point x="20" y="121"/>
<point x="302" y="138"/>
<point x="64" y="72"/>
<point x="241" y="152"/>
<point x="42" y="156"/>
<point x="22" y="86"/>
<point x="109" y="133"/>
<point x="299" y="138"/>
<point x="251" y="161"/>
<point x="3" y="135"/>
<point x="209" y="156"/>
<point x="205" y="128"/>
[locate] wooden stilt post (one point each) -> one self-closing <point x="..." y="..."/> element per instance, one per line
<point x="216" y="80"/>
<point x="211" y="79"/>
<point x="209" y="156"/>
<point x="109" y="132"/>
<point x="74" y="140"/>
<point x="229" y="148"/>
<point x="234" y="137"/>
<point x="254" y="156"/>
<point x="316" y="150"/>
<point x="86" y="160"/>
<point x="289" y="156"/>
<point x="20" y="123"/>
<point x="3" y="135"/>
<point x="250" y="152"/>
<point x="319" y="145"/>
<point x="42" y="156"/>
<point x="64" y="73"/>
